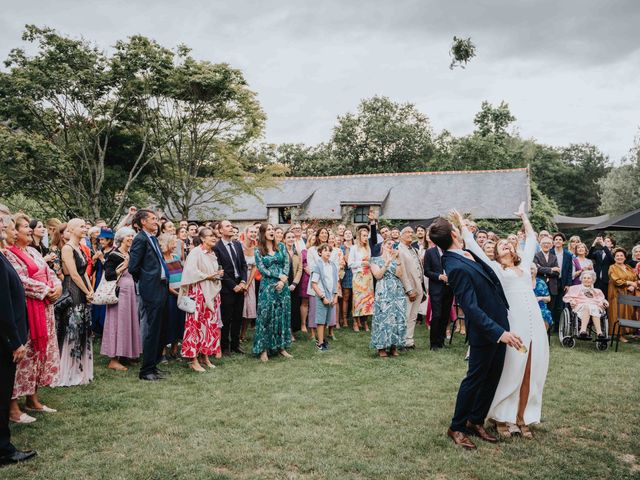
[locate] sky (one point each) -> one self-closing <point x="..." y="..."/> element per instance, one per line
<point x="569" y="70"/>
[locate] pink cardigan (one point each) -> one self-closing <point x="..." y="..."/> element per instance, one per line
<point x="576" y="295"/>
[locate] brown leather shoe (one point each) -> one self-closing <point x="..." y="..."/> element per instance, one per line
<point x="479" y="431"/>
<point x="461" y="440"/>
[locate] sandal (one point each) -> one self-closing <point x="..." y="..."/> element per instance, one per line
<point x="43" y="409"/>
<point x="502" y="429"/>
<point x="525" y="432"/>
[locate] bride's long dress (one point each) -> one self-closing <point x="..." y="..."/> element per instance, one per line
<point x="526" y="321"/>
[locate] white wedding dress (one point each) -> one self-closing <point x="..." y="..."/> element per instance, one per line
<point x="526" y="321"/>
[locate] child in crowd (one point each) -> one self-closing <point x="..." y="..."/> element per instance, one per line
<point x="324" y="281"/>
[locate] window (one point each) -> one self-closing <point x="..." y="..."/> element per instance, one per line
<point x="361" y="214"/>
<point x="284" y="215"/>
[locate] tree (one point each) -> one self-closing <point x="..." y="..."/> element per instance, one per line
<point x="204" y="115"/>
<point x="304" y="161"/>
<point x="76" y="99"/>
<point x="383" y="136"/>
<point x="493" y="121"/>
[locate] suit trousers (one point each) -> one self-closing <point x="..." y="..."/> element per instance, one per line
<point x="7" y="377"/>
<point x="440" y="314"/>
<point x="153" y="327"/>
<point x="556" y="305"/>
<point x="412" y="316"/>
<point x="231" y="306"/>
<point x="479" y="385"/>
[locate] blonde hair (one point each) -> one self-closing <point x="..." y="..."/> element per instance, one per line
<point x="20" y="218"/>
<point x="166" y="238"/>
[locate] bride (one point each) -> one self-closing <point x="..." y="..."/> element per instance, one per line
<point x="518" y="398"/>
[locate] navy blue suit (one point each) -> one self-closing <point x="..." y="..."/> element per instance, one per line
<point x="146" y="269"/>
<point x="479" y="293"/>
<point x="13" y="334"/>
<point x="440" y="296"/>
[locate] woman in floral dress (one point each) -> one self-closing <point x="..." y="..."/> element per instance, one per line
<point x="40" y="365"/>
<point x="273" y="320"/>
<point x="363" y="298"/>
<point x="388" y="328"/>
<point x="201" y="282"/>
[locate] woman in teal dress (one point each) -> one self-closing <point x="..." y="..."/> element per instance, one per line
<point x="273" y="319"/>
<point x="390" y="306"/>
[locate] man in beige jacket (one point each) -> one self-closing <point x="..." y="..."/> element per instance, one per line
<point x="412" y="280"/>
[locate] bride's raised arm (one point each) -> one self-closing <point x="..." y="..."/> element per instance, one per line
<point x="471" y="244"/>
<point x="531" y="240"/>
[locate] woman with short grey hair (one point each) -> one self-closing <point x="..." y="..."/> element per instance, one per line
<point x="587" y="302"/>
<point x="121" y="336"/>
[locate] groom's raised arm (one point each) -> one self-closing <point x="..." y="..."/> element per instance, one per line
<point x="466" y="298"/>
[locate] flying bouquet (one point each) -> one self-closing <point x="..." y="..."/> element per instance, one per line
<point x="462" y="50"/>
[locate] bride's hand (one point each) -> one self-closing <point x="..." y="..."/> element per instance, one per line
<point x="520" y="213"/>
<point x="456" y="218"/>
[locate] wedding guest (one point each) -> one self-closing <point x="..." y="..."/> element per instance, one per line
<point x="175" y="316"/>
<point x="168" y="227"/>
<point x="513" y="240"/>
<point x="413" y="280"/>
<point x="279" y="235"/>
<point x="13" y="339"/>
<point x="273" y="320"/>
<point x="324" y="281"/>
<point x="440" y="297"/>
<point x="580" y="262"/>
<point x="40" y="365"/>
<point x="340" y="229"/>
<point x="541" y="291"/>
<point x="98" y="312"/>
<point x="305" y="307"/>
<point x="184" y="223"/>
<point x="347" y="279"/>
<point x="231" y="259"/>
<point x="363" y="297"/>
<point x="481" y="237"/>
<point x="52" y="225"/>
<point x="623" y="280"/>
<point x="60" y="238"/>
<point x="565" y="261"/>
<point x="250" y="294"/>
<point x="600" y="254"/>
<point x="489" y="248"/>
<point x="389" y="325"/>
<point x="121" y="337"/>
<point x="634" y="259"/>
<point x="295" y="275"/>
<point x="574" y="240"/>
<point x="76" y="349"/>
<point x="338" y="260"/>
<point x="201" y="282"/>
<point x="38" y="233"/>
<point x="300" y="243"/>
<point x="549" y="271"/>
<point x="588" y="303"/>
<point x="312" y="259"/>
<point x="151" y="274"/>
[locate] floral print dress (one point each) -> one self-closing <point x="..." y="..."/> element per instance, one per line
<point x="389" y="326"/>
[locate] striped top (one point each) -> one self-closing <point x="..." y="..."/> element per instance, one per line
<point x="175" y="272"/>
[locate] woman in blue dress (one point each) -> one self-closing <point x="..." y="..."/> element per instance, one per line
<point x="541" y="291"/>
<point x="347" y="279"/>
<point x="273" y="317"/>
<point x="390" y="307"/>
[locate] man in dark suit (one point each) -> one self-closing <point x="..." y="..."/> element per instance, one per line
<point x="385" y="232"/>
<point x="600" y="254"/>
<point x="440" y="295"/>
<point x="479" y="292"/>
<point x="149" y="270"/>
<point x="13" y="337"/>
<point x="549" y="271"/>
<point x="565" y="261"/>
<point x="234" y="283"/>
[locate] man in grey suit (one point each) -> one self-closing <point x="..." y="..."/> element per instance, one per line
<point x="412" y="281"/>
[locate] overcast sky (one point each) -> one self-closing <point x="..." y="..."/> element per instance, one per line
<point x="570" y="70"/>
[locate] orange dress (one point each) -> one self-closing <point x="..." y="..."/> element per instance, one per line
<point x="618" y="276"/>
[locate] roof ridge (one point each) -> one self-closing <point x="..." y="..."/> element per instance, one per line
<point x="397" y="174"/>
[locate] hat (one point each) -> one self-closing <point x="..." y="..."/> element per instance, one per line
<point x="106" y="233"/>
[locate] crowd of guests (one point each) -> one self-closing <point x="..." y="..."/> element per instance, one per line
<point x="153" y="291"/>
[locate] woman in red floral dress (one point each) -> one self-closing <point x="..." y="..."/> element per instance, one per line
<point x="41" y="364"/>
<point x="201" y="282"/>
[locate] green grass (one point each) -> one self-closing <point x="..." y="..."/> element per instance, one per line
<point x="340" y="415"/>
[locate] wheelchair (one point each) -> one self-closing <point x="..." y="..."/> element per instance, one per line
<point x="569" y="330"/>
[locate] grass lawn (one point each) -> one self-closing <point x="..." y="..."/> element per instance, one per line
<point x="340" y="415"/>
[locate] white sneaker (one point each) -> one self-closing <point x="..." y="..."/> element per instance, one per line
<point x="24" y="418"/>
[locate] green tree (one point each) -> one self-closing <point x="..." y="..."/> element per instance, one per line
<point x="493" y="121"/>
<point x="382" y="136"/>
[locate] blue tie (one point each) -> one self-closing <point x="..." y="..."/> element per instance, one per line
<point x="156" y="246"/>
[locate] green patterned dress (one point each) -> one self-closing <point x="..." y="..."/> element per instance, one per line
<point x="273" y="320"/>
<point x="389" y="326"/>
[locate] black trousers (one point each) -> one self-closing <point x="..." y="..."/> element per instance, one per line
<point x="153" y="328"/>
<point x="7" y="377"/>
<point x="479" y="386"/>
<point x="440" y="315"/>
<point x="296" y="319"/>
<point x="556" y="305"/>
<point x="231" y="306"/>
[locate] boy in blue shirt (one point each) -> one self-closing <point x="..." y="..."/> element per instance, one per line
<point x="324" y="281"/>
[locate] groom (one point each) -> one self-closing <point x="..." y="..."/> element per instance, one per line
<point x="479" y="293"/>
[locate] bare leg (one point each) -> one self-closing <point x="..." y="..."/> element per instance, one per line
<point x="584" y="320"/>
<point x="346" y="295"/>
<point x="304" y="313"/>
<point x="14" y="409"/>
<point x="320" y="330"/>
<point x="207" y="362"/>
<point x="366" y="325"/>
<point x="356" y="324"/>
<point x="34" y="402"/>
<point x="195" y="365"/>
<point x="264" y="357"/>
<point x="244" y="328"/>
<point x="114" y="364"/>
<point x="525" y="387"/>
<point x="313" y="333"/>
<point x="596" y="324"/>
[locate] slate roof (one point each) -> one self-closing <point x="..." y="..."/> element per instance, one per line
<point x="409" y="196"/>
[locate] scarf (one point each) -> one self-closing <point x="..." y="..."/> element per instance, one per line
<point x="198" y="266"/>
<point x="36" y="309"/>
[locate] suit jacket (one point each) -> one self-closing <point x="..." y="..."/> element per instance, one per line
<point x="566" y="273"/>
<point x="433" y="269"/>
<point x="296" y="267"/>
<point x="229" y="280"/>
<point x="13" y="309"/>
<point x="602" y="259"/>
<point x="479" y="292"/>
<point x="376" y="248"/>
<point x="146" y="269"/>
<point x="412" y="276"/>
<point x="544" y="271"/>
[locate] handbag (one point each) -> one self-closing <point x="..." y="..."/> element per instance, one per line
<point x="187" y="304"/>
<point x="106" y="293"/>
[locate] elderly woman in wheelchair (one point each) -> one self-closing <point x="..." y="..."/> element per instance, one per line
<point x="588" y="303"/>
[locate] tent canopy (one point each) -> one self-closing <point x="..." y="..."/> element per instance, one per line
<point x="563" y="221"/>
<point x="629" y="221"/>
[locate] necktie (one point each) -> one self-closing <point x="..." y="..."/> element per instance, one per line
<point x="156" y="246"/>
<point x="234" y="259"/>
